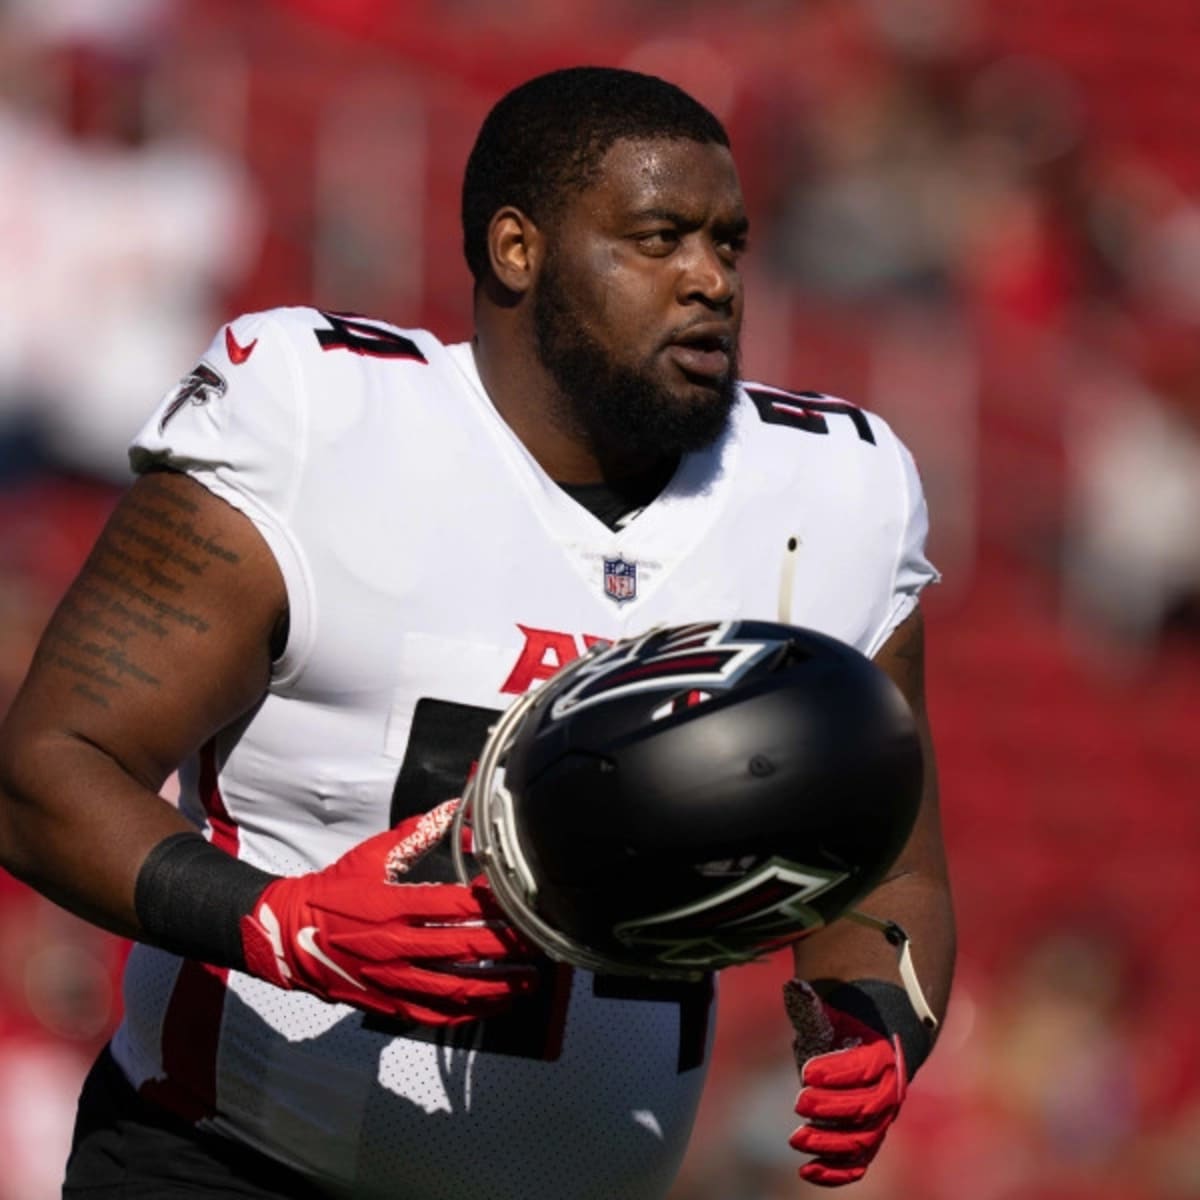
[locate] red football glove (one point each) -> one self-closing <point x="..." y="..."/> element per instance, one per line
<point x="852" y="1083"/>
<point x="356" y="933"/>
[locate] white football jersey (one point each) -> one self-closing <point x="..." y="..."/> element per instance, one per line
<point x="434" y="571"/>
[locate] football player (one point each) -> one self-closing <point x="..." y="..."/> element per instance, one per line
<point x="347" y="548"/>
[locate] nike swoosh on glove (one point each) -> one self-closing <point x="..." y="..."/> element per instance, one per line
<point x="852" y="1083"/>
<point x="355" y="933"/>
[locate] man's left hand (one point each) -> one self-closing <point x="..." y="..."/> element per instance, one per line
<point x="852" y="1082"/>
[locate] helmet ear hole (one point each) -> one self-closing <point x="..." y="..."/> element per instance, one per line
<point x="791" y="654"/>
<point x="696" y="797"/>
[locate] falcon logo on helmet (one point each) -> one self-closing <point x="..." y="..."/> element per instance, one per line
<point x="763" y="909"/>
<point x="690" y="658"/>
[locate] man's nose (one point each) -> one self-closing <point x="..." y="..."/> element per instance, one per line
<point x="710" y="276"/>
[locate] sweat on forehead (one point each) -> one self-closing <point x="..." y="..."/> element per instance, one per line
<point x="548" y="136"/>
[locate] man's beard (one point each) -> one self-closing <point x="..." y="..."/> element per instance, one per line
<point x="620" y="411"/>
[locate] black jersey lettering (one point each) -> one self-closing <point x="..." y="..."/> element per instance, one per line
<point x="803" y="410"/>
<point x="361" y="337"/>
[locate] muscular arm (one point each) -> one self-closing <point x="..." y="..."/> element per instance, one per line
<point x="916" y="893"/>
<point x="162" y="640"/>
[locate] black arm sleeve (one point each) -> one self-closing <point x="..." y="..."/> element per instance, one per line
<point x="190" y="898"/>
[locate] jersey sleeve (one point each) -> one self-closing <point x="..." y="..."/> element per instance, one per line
<point x="912" y="571"/>
<point x="236" y="423"/>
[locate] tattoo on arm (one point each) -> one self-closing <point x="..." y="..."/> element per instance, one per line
<point x="906" y="662"/>
<point x="132" y="594"/>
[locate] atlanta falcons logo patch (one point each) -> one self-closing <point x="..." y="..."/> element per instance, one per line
<point x="198" y="387"/>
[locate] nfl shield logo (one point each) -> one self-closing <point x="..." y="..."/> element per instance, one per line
<point x="620" y="579"/>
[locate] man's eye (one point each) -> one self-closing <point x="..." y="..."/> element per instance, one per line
<point x="658" y="241"/>
<point x="733" y="247"/>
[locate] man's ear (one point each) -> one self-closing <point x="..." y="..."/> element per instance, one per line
<point x="514" y="249"/>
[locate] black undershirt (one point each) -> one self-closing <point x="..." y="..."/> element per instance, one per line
<point x="611" y="502"/>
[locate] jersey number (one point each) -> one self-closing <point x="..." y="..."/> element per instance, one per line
<point x="443" y="745"/>
<point x="360" y="337"/>
<point x="803" y="410"/>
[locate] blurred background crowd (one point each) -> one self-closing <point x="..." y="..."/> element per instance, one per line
<point x="980" y="218"/>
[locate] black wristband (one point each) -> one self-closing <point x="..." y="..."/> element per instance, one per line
<point x="885" y="1008"/>
<point x="190" y="898"/>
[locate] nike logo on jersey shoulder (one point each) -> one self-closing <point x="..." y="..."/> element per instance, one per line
<point x="237" y="354"/>
<point x="306" y="939"/>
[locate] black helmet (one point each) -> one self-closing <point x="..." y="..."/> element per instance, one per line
<point x="694" y="797"/>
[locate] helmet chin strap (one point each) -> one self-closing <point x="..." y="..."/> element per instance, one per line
<point x="787" y="580"/>
<point x="908" y="972"/>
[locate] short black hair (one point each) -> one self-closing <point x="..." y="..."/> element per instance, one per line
<point x="546" y="138"/>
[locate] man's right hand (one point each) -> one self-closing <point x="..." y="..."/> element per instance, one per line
<point x="355" y="933"/>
